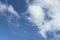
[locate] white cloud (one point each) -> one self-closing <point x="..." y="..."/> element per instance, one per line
<point x="37" y="15"/>
<point x="9" y="8"/>
<point x="2" y="7"/>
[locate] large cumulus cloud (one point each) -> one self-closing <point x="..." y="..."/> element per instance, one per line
<point x="40" y="11"/>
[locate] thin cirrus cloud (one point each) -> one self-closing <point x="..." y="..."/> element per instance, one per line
<point x="37" y="9"/>
<point x="9" y="8"/>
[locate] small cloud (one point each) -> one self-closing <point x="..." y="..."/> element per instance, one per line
<point x="18" y="25"/>
<point x="2" y="8"/>
<point x="8" y="9"/>
<point x="12" y="11"/>
<point x="25" y="31"/>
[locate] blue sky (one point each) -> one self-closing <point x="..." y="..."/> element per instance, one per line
<point x="29" y="20"/>
<point x="9" y="30"/>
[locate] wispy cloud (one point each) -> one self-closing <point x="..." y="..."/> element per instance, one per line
<point x="12" y="10"/>
<point x="2" y="7"/>
<point x="37" y="11"/>
<point x="8" y="8"/>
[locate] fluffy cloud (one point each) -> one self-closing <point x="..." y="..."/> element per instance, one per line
<point x="38" y="10"/>
<point x="36" y="15"/>
<point x="8" y="8"/>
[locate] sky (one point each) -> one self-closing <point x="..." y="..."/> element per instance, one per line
<point x="29" y="19"/>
